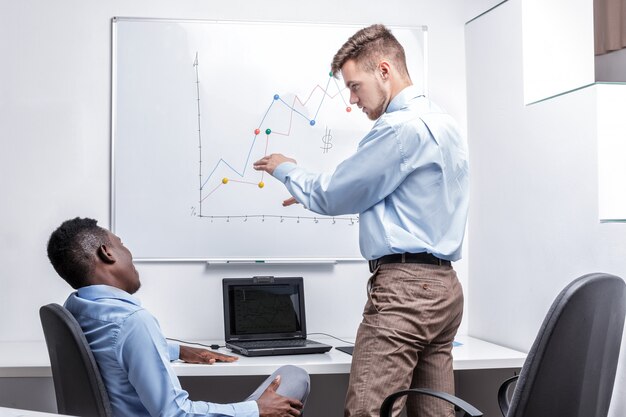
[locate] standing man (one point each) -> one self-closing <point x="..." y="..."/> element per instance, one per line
<point x="408" y="180"/>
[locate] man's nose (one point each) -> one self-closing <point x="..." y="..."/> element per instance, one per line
<point x="353" y="98"/>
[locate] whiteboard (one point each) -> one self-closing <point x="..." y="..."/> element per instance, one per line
<point x="195" y="103"/>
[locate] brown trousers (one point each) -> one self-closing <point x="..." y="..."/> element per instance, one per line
<point x="405" y="340"/>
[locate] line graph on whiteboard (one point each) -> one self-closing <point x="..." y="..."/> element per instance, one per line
<point x="282" y="123"/>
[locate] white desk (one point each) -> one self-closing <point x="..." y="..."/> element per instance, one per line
<point x="14" y="412"/>
<point x="30" y="359"/>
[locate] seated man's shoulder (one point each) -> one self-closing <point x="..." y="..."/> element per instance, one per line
<point x="140" y="319"/>
<point x="103" y="310"/>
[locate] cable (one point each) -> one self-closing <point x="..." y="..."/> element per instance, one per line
<point x="214" y="346"/>
<point x="334" y="337"/>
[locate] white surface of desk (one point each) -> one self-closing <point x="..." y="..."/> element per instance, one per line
<point x="30" y="359"/>
<point x="14" y="412"/>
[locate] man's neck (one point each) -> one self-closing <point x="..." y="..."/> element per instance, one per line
<point x="398" y="87"/>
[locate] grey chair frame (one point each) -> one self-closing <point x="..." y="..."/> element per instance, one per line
<point x="570" y="369"/>
<point x="78" y="385"/>
<point x="468" y="409"/>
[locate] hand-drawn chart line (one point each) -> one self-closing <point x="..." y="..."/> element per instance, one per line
<point x="268" y="131"/>
<point x="293" y="110"/>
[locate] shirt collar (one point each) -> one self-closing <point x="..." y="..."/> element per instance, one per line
<point x="95" y="292"/>
<point x="402" y="98"/>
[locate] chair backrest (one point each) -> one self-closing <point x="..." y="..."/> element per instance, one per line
<point x="78" y="385"/>
<point x="570" y="369"/>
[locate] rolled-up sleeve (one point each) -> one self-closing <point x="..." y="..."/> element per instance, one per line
<point x="174" y="351"/>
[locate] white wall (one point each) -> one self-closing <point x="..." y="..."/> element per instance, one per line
<point x="55" y="158"/>
<point x="557" y="47"/>
<point x="611" y="134"/>
<point x="534" y="222"/>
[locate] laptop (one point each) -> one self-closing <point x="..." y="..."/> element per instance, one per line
<point x="265" y="316"/>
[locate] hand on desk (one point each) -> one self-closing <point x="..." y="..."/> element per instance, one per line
<point x="272" y="404"/>
<point x="197" y="355"/>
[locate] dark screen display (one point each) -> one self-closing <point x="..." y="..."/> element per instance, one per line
<point x="264" y="309"/>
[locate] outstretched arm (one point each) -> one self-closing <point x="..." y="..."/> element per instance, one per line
<point x="365" y="178"/>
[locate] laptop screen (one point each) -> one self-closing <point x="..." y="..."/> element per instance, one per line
<point x="263" y="308"/>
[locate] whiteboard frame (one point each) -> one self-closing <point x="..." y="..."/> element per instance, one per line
<point x="231" y="260"/>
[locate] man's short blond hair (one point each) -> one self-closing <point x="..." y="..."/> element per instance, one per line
<point x="367" y="47"/>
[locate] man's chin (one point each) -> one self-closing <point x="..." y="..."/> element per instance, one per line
<point x="136" y="287"/>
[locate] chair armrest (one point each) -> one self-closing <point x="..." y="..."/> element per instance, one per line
<point x="503" y="401"/>
<point x="385" y="409"/>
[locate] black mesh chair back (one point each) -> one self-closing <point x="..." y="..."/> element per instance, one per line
<point x="78" y="385"/>
<point x="570" y="369"/>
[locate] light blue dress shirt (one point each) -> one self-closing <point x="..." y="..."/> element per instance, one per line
<point x="134" y="358"/>
<point x="408" y="181"/>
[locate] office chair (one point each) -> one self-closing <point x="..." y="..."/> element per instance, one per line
<point x="78" y="385"/>
<point x="571" y="366"/>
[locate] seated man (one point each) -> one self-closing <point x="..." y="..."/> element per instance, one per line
<point x="127" y="343"/>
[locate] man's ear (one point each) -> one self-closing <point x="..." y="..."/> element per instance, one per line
<point x="384" y="68"/>
<point x="105" y="255"/>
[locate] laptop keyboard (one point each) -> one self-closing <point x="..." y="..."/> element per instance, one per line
<point x="273" y="343"/>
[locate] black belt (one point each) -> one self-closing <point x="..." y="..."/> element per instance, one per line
<point x="408" y="258"/>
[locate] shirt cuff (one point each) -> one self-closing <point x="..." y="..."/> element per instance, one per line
<point x="173" y="349"/>
<point x="282" y="170"/>
<point x="242" y="409"/>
